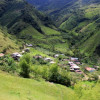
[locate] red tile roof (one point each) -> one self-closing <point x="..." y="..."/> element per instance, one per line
<point x="90" y="69"/>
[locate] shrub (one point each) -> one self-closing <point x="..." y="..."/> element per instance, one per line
<point x="93" y="77"/>
<point x="59" y="75"/>
<point x="54" y="73"/>
<point x="41" y="61"/>
<point x="25" y="69"/>
<point x="9" y="64"/>
<point x="25" y="64"/>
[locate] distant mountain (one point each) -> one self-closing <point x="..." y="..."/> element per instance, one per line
<point x="83" y="24"/>
<point x="49" y="5"/>
<point x="79" y="19"/>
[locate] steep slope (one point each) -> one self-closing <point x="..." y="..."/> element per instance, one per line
<point x="60" y="10"/>
<point x="7" y="43"/>
<point x="30" y="25"/>
<point x="80" y="19"/>
<point x="84" y="26"/>
<point x="28" y="89"/>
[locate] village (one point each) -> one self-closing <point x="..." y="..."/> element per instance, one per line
<point x="72" y="64"/>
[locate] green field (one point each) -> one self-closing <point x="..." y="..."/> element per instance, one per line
<point x="15" y="88"/>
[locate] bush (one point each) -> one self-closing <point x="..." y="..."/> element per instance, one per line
<point x="54" y="73"/>
<point x="61" y="57"/>
<point x="59" y="75"/>
<point x="9" y="64"/>
<point x="93" y="77"/>
<point x="25" y="64"/>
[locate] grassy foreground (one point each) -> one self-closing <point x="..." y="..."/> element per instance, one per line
<point x="15" y="88"/>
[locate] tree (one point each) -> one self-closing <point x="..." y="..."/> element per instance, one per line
<point x="25" y="64"/>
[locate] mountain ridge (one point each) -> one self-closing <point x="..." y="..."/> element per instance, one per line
<point x="80" y="19"/>
<point x="30" y="25"/>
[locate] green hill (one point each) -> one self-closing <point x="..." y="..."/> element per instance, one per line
<point x="30" y="25"/>
<point x="7" y="42"/>
<point x="85" y="28"/>
<point x="15" y="88"/>
<point x="78" y="19"/>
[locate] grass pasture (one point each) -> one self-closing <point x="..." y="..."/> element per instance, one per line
<point x="15" y="88"/>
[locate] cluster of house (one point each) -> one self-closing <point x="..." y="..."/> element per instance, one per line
<point x="17" y="55"/>
<point x="51" y="61"/>
<point x="74" y="62"/>
<point x="74" y="68"/>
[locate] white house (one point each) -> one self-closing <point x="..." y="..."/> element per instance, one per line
<point x="47" y="59"/>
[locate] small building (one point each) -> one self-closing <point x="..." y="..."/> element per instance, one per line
<point x="38" y="57"/>
<point x="48" y="59"/>
<point x="96" y="67"/>
<point x="66" y="60"/>
<point x="74" y="59"/>
<point x="1" y="55"/>
<point x="70" y="63"/>
<point x="52" y="62"/>
<point x="89" y="69"/>
<point x="75" y="67"/>
<point x="29" y="45"/>
<point x="16" y="56"/>
<point x="78" y="71"/>
<point x="23" y="52"/>
<point x="78" y="63"/>
<point x="56" y="55"/>
<point x="71" y="69"/>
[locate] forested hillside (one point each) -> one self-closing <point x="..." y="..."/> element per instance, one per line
<point x="8" y="44"/>
<point x="79" y="20"/>
<point x="31" y="26"/>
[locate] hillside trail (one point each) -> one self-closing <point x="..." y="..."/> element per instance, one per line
<point x="85" y="77"/>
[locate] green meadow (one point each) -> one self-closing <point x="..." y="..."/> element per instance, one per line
<point x="15" y="88"/>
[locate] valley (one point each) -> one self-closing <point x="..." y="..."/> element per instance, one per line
<point x="49" y="49"/>
<point x="77" y="20"/>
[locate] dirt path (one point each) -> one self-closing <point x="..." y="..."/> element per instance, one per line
<point x="85" y="77"/>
